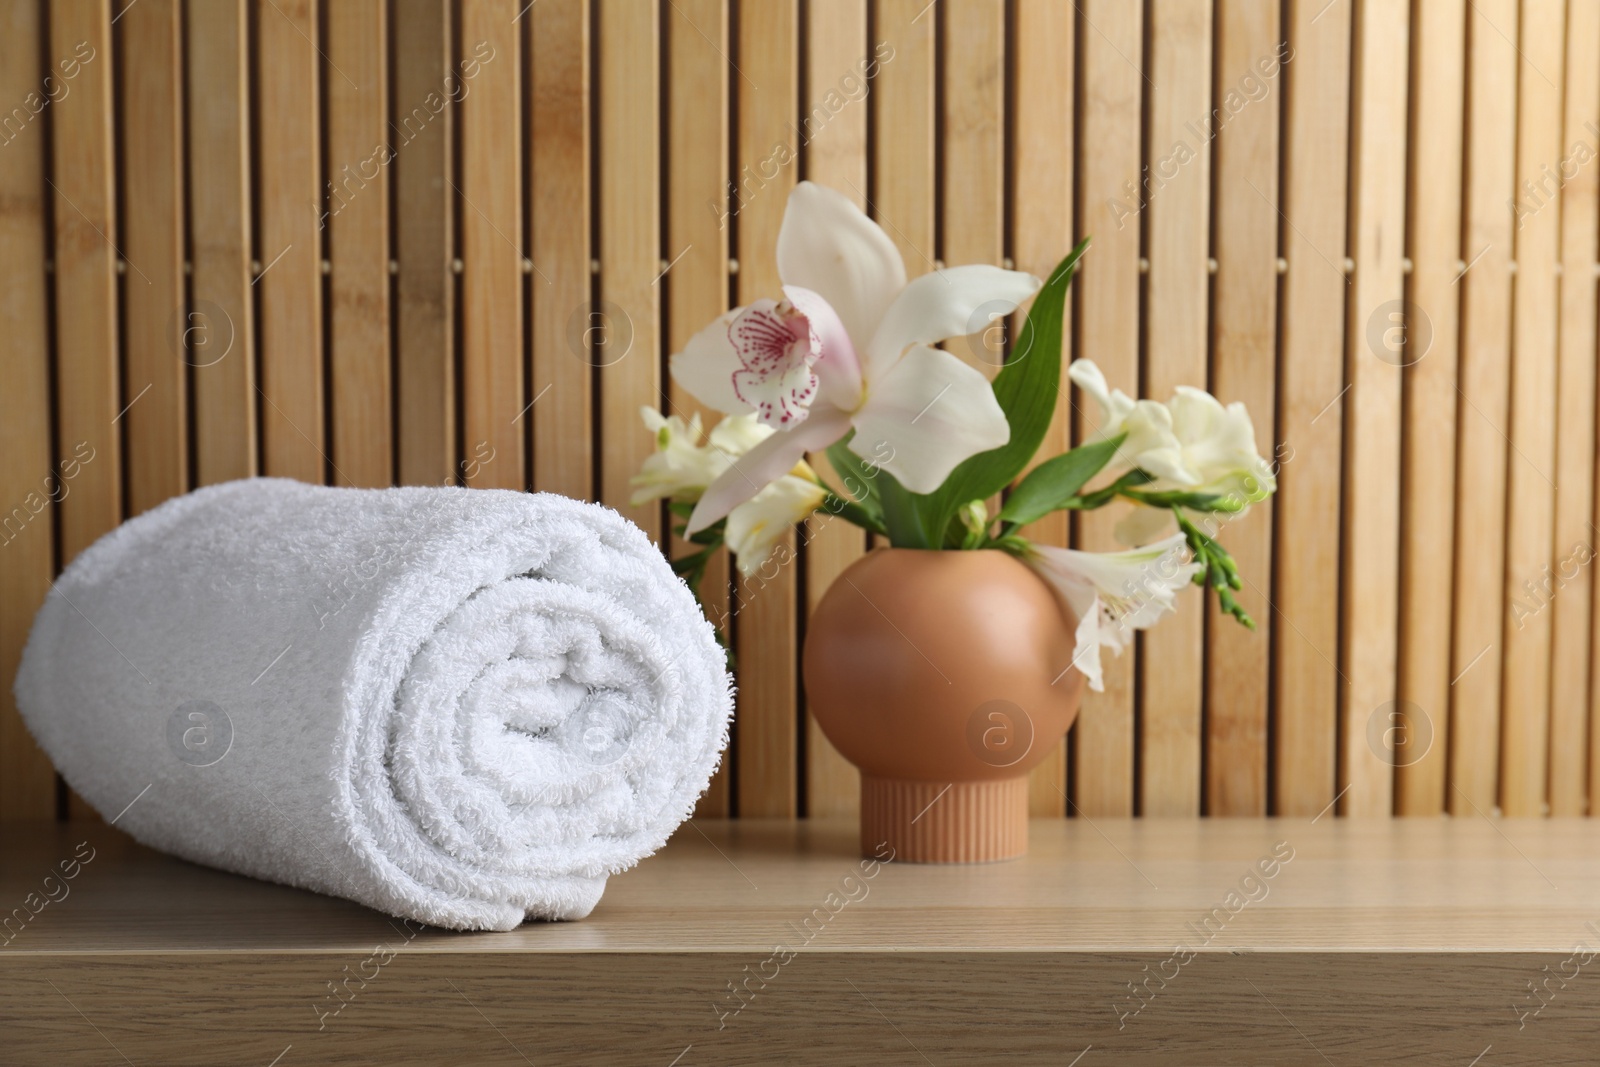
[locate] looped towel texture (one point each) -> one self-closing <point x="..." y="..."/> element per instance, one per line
<point x="465" y="707"/>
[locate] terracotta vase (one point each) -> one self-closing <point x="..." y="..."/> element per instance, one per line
<point x="943" y="676"/>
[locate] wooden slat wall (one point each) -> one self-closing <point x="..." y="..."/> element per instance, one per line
<point x="452" y="241"/>
<point x="289" y="111"/>
<point x="89" y="399"/>
<point x="902" y="181"/>
<point x="1570" y="665"/>
<point x="87" y="342"/>
<point x="1041" y="226"/>
<point x="625" y="323"/>
<point x="424" y="244"/>
<point x="491" y="250"/>
<point x="1311" y="389"/>
<point x="1177" y="221"/>
<point x="219" y="320"/>
<point x="766" y="162"/>
<point x="1421" y="717"/>
<point x="1107" y="318"/>
<point x="563" y="456"/>
<point x="1250" y="77"/>
<point x="1487" y="254"/>
<point x="1530" y="485"/>
<point x="151" y="124"/>
<point x="358" y="243"/>
<point x="972" y="161"/>
<point x="697" y="238"/>
<point x="28" y="477"/>
<point x="1370" y="564"/>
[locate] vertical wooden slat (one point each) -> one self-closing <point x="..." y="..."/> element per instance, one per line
<point x="1306" y="677"/>
<point x="87" y="396"/>
<point x="630" y="247"/>
<point x="28" y="485"/>
<point x="903" y="145"/>
<point x="769" y="34"/>
<point x="1369" y="597"/>
<point x="1177" y="189"/>
<point x="562" y="428"/>
<point x="697" y="236"/>
<point x="1475" y="667"/>
<point x="220" y="320"/>
<point x="290" y="282"/>
<point x="357" y="205"/>
<point x="491" y="229"/>
<point x="152" y="130"/>
<point x="1108" y="331"/>
<point x="972" y="152"/>
<point x="1041" y="233"/>
<point x="1244" y="354"/>
<point x="421" y="131"/>
<point x="833" y="131"/>
<point x="1428" y="520"/>
<point x="1570" y="668"/>
<point x="1530" y="491"/>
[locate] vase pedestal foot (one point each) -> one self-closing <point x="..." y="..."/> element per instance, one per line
<point x="944" y="822"/>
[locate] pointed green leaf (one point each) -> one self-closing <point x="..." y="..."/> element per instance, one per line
<point x="1052" y="483"/>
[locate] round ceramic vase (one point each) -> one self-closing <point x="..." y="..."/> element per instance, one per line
<point x="943" y="676"/>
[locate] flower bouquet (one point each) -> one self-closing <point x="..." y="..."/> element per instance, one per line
<point x="934" y="458"/>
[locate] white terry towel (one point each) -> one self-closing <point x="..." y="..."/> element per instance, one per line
<point x="464" y="707"/>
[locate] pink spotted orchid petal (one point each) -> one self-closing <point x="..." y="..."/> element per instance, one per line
<point x="776" y="348"/>
<point x="837" y="369"/>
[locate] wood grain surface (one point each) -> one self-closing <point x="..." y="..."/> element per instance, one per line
<point x="1311" y="388"/>
<point x="1485" y="378"/>
<point x="1250" y="75"/>
<point x="1109" y="293"/>
<point x="1431" y="400"/>
<point x="1363" y="941"/>
<point x="1177" y="220"/>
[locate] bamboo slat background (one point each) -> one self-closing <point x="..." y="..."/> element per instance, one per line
<point x="368" y="242"/>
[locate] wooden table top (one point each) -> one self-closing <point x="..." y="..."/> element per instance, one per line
<point x="1451" y="885"/>
<point x="1127" y="942"/>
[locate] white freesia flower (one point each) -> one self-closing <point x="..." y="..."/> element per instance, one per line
<point x="681" y="466"/>
<point x="1115" y="405"/>
<point x="1192" y="443"/>
<point x="754" y="527"/>
<point x="1113" y="593"/>
<point x="848" y="347"/>
<point x="735" y="435"/>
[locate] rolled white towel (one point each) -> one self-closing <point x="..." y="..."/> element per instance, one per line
<point x="465" y="707"/>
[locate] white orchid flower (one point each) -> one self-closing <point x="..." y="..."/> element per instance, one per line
<point x="848" y="347"/>
<point x="754" y="527"/>
<point x="681" y="467"/>
<point x="1113" y="593"/>
<point x="1191" y="443"/>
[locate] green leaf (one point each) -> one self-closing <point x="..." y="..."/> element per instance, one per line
<point x="858" y="476"/>
<point x="1027" y="388"/>
<point x="904" y="517"/>
<point x="852" y="512"/>
<point x="1052" y="483"/>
